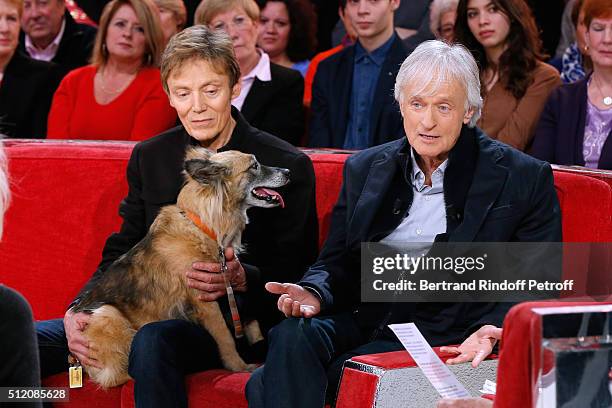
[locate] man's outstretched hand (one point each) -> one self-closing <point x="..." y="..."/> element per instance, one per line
<point x="294" y="300"/>
<point x="476" y="347"/>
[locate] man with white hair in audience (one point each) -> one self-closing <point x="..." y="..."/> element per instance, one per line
<point x="446" y="181"/>
<point x="18" y="346"/>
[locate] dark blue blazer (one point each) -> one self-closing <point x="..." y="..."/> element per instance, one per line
<point x="493" y="193"/>
<point x="560" y="133"/>
<point x="331" y="95"/>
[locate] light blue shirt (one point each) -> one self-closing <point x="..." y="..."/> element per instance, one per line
<point x="427" y="215"/>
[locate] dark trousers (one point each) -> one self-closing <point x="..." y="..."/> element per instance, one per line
<point x="305" y="361"/>
<point x="162" y="354"/>
<point x="18" y="350"/>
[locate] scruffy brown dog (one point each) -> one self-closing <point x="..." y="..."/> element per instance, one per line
<point x="148" y="283"/>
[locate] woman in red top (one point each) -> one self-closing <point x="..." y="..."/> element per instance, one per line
<point x="119" y="96"/>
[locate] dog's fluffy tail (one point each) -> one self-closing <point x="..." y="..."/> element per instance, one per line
<point x="110" y="336"/>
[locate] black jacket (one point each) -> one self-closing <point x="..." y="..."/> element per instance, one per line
<point x="26" y="93"/>
<point x="75" y="47"/>
<point x="276" y="106"/>
<point x="331" y="95"/>
<point x="281" y="243"/>
<point x="493" y="193"/>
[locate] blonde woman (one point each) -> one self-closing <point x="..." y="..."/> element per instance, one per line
<point x="173" y="17"/>
<point x="271" y="95"/>
<point x="119" y="96"/>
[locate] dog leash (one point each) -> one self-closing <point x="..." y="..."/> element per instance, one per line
<point x="231" y="298"/>
<point x="238" y="333"/>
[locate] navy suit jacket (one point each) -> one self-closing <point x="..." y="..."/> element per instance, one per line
<point x="493" y="193"/>
<point x="331" y="95"/>
<point x="560" y="133"/>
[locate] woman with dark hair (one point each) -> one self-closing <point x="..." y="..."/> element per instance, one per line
<point x="576" y="123"/>
<point x="503" y="37"/>
<point x="287" y="32"/>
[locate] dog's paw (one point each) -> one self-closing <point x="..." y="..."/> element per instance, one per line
<point x="251" y="367"/>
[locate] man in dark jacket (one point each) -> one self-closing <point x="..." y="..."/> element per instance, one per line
<point x="444" y="181"/>
<point x="352" y="103"/>
<point x="200" y="74"/>
<point x="49" y="33"/>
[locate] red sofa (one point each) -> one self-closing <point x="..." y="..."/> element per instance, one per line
<point x="65" y="199"/>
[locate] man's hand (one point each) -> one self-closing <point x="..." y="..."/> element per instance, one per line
<point x="74" y="324"/>
<point x="295" y="300"/>
<point x="206" y="277"/>
<point x="465" y="403"/>
<point x="476" y="347"/>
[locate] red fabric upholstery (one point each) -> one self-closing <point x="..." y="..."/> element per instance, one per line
<point x="90" y="396"/>
<point x="358" y="389"/>
<point x="65" y="198"/>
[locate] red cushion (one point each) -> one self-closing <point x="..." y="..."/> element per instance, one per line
<point x="64" y="206"/>
<point x="328" y="172"/>
<point x="90" y="396"/>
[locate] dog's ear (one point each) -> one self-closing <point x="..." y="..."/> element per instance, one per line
<point x="206" y="171"/>
<point x="193" y="152"/>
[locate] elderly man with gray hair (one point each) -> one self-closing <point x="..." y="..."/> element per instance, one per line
<point x="445" y="181"/>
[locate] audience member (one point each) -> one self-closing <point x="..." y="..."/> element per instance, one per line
<point x="51" y="34"/>
<point x="352" y="107"/>
<point x="287" y="32"/>
<point x="576" y="123"/>
<point x="349" y="39"/>
<point x="18" y="347"/>
<point x="442" y="16"/>
<point x="568" y="29"/>
<point x="409" y="18"/>
<point x="200" y="74"/>
<point x="172" y="15"/>
<point x="575" y="62"/>
<point x="26" y="85"/>
<point x="503" y="37"/>
<point x="441" y="157"/>
<point x="119" y="96"/>
<point x="271" y="95"/>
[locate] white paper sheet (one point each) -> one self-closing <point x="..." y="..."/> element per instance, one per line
<point x="438" y="374"/>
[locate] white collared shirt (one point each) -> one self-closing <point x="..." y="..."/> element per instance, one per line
<point x="261" y="72"/>
<point x="48" y="53"/>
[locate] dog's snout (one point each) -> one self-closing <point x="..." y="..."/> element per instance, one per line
<point x="286" y="173"/>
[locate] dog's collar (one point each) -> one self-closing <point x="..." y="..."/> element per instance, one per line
<point x="198" y="222"/>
